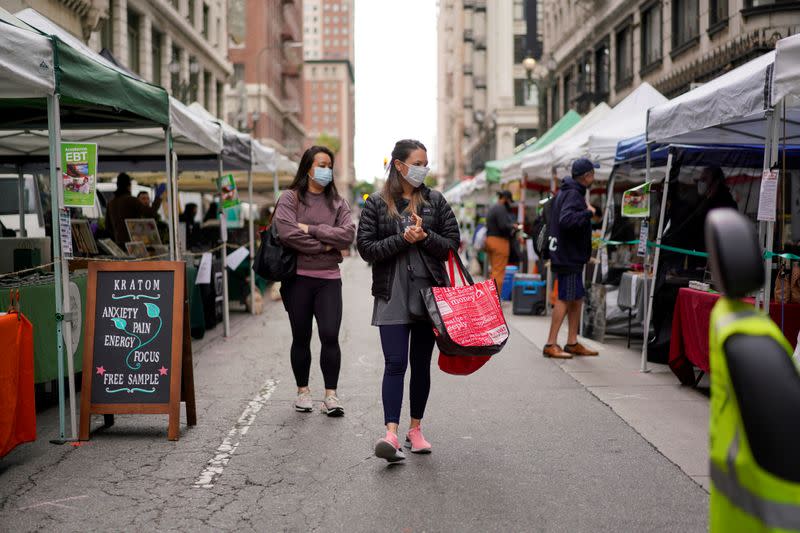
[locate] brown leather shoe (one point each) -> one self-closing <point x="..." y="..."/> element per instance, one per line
<point x="554" y="351"/>
<point x="579" y="349"/>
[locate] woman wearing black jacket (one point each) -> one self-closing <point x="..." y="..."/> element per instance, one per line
<point x="406" y="232"/>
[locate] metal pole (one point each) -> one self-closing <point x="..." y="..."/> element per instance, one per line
<point x="61" y="274"/>
<point x="657" y="255"/>
<point x="770" y="156"/>
<point x="174" y="205"/>
<point x="225" y="305"/>
<point x="251" y="224"/>
<point x="646" y="332"/>
<point x="604" y="226"/>
<point x="170" y="192"/>
<point x="21" y="202"/>
<point x="276" y="187"/>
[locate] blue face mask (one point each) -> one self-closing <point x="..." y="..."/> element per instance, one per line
<point x="323" y="176"/>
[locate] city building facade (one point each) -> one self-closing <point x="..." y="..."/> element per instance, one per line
<point x="598" y="51"/>
<point x="329" y="82"/>
<point x="487" y="104"/>
<point x="181" y="45"/>
<point x="265" y="96"/>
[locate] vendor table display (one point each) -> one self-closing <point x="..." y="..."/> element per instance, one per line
<point x="37" y="303"/>
<point x="17" y="406"/>
<point x="690" y="326"/>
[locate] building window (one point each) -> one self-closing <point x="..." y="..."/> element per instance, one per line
<point x="569" y="91"/>
<point x="207" y="90"/>
<point x="220" y="97"/>
<point x="194" y="81"/>
<point x="175" y="77"/>
<point x="205" y="20"/>
<point x="685" y="27"/>
<point x="134" y="62"/>
<point x="624" y="56"/>
<point x="602" y="73"/>
<point x="651" y="35"/>
<point x="520" y="48"/>
<point x="584" y="89"/>
<point x="524" y="93"/>
<point x="519" y="9"/>
<point x="238" y="73"/>
<point x="717" y="13"/>
<point x="156" y="57"/>
<point x="107" y="30"/>
<point x="192" y="19"/>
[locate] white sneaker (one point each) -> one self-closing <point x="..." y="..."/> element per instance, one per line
<point x="304" y="404"/>
<point x="332" y="407"/>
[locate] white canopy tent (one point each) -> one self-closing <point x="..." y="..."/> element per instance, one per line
<point x="599" y="142"/>
<point x="754" y="104"/>
<point x="539" y="166"/>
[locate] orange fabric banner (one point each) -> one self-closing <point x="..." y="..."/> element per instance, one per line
<point x="17" y="400"/>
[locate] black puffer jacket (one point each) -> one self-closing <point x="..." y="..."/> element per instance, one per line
<point x="380" y="239"/>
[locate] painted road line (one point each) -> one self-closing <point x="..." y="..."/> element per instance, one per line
<point x="230" y="443"/>
<point x="55" y="503"/>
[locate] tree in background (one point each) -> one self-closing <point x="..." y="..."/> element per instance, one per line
<point x="329" y="141"/>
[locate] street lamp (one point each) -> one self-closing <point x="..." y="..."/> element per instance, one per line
<point x="183" y="89"/>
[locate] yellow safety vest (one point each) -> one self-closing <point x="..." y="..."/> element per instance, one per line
<point x="744" y="497"/>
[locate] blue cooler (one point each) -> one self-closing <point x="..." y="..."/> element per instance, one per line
<point x="528" y="294"/>
<point x="508" y="282"/>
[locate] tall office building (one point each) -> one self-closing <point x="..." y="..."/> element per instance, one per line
<point x="329" y="91"/>
<point x="487" y="104"/>
<point x="265" y="96"/>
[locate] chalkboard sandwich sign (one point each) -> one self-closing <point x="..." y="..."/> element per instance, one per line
<point x="137" y="355"/>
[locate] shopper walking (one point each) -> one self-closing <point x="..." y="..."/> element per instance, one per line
<point x="570" y="246"/>
<point x="406" y="232"/>
<point x="316" y="222"/>
<point x="499" y="232"/>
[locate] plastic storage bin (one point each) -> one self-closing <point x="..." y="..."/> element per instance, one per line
<point x="528" y="294"/>
<point x="508" y="283"/>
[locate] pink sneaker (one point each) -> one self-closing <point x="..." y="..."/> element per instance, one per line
<point x="389" y="448"/>
<point x="416" y="442"/>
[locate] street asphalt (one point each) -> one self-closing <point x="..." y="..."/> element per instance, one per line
<point x="518" y="446"/>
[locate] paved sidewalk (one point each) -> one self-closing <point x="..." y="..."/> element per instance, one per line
<point x="672" y="417"/>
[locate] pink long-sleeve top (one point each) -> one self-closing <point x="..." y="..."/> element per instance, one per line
<point x="330" y="229"/>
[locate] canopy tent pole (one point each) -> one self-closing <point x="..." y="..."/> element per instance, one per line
<point x="61" y="273"/>
<point x="646" y="332"/>
<point x="21" y="201"/>
<point x="171" y="191"/>
<point x="649" y="309"/>
<point x="251" y="230"/>
<point x="224" y="230"/>
<point x="276" y="187"/>
<point x="770" y="157"/>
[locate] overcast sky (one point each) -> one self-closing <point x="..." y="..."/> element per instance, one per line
<point x="396" y="78"/>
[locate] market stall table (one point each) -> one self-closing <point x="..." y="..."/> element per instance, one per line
<point x="690" y="326"/>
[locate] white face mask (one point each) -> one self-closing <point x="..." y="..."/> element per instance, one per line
<point x="416" y="175"/>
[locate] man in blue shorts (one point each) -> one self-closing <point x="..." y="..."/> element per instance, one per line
<point x="570" y="247"/>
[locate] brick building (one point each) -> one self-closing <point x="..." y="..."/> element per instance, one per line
<point x="329" y="91"/>
<point x="266" y="93"/>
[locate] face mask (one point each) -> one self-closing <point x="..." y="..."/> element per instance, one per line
<point x="323" y="176"/>
<point x="702" y="188"/>
<point x="416" y="175"/>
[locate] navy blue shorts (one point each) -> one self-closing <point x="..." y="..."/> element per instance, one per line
<point x="570" y="286"/>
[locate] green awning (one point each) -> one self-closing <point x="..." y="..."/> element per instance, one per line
<point x="92" y="94"/>
<point x="494" y="169"/>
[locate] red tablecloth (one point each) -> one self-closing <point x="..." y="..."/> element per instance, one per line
<point x="17" y="407"/>
<point x="690" y="322"/>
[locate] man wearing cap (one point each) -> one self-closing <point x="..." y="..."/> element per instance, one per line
<point x="499" y="231"/>
<point x="570" y="247"/>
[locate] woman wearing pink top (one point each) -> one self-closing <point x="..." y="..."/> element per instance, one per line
<point x="316" y="222"/>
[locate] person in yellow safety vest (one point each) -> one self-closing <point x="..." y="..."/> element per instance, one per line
<point x="755" y="476"/>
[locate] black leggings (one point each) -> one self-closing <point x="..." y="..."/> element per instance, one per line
<point x="304" y="299"/>
<point x="401" y="343"/>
